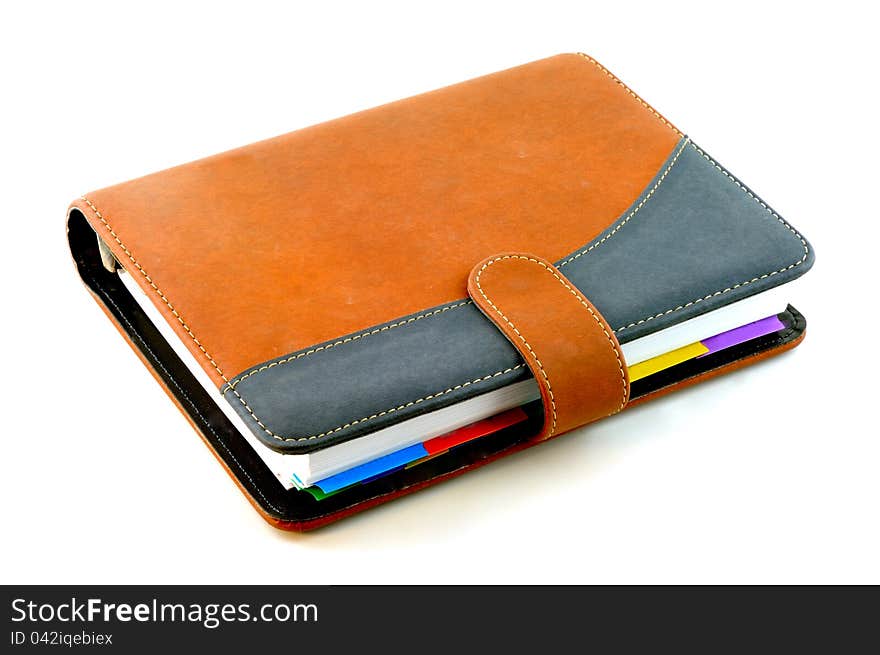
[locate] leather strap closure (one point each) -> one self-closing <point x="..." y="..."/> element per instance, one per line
<point x="569" y="347"/>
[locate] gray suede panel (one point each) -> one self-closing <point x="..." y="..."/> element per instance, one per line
<point x="695" y="239"/>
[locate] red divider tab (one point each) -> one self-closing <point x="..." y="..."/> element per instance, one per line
<point x="475" y="430"/>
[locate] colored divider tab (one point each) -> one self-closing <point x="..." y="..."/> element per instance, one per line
<point x="371" y="469"/>
<point x="317" y="494"/>
<point x="666" y="360"/>
<point x="475" y="430"/>
<point x="416" y="454"/>
<point x="705" y="347"/>
<point x="742" y="334"/>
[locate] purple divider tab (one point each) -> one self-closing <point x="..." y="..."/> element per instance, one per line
<point x="742" y="334"/>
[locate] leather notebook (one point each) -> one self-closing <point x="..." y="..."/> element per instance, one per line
<point x="539" y="240"/>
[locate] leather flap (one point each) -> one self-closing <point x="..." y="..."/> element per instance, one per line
<point x="568" y="345"/>
<point x="318" y="277"/>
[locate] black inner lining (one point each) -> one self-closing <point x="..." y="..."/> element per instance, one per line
<point x="249" y="469"/>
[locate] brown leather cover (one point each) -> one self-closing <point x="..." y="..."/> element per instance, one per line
<point x="570" y="348"/>
<point x="283" y="244"/>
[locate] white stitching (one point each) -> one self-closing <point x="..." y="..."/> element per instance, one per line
<point x="635" y="211"/>
<point x="377" y="415"/>
<point x="631" y="92"/>
<point x="613" y="231"/>
<point x="741" y="284"/>
<point x="459" y="304"/>
<point x="519" y="334"/>
<point x="242" y="400"/>
<point x="232" y="384"/>
<point x="529" y="347"/>
<point x="155" y="288"/>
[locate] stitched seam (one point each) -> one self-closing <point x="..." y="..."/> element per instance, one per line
<point x="586" y="306"/>
<point x="378" y="414"/>
<point x="244" y="403"/>
<point x="232" y="383"/>
<point x="236" y="380"/>
<point x="183" y="393"/>
<point x="631" y="92"/>
<point x="614" y="231"/>
<point x="158" y="291"/>
<point x="460" y="304"/>
<point x="635" y="210"/>
<point x="740" y="284"/>
<point x="523" y="339"/>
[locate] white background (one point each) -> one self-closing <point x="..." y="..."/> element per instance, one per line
<point x="767" y="475"/>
